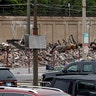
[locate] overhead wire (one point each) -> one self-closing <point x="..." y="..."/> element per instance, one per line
<point x="55" y="6"/>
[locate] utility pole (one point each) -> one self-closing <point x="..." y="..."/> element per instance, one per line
<point x="69" y="8"/>
<point x="35" y="51"/>
<point x="85" y="41"/>
<point x="28" y="31"/>
<point x="28" y="17"/>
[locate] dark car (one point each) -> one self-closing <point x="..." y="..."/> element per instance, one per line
<point x="76" y="85"/>
<point x="32" y="91"/>
<point x="83" y="67"/>
<point x="6" y="77"/>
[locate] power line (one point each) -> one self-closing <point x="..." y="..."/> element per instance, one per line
<point x="12" y="5"/>
<point x="49" y="8"/>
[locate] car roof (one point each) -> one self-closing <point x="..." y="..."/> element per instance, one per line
<point x="34" y="89"/>
<point x="40" y="87"/>
<point x="78" y="77"/>
<point x="83" y="61"/>
<point x="80" y="62"/>
<point x="43" y="90"/>
<point x="16" y="89"/>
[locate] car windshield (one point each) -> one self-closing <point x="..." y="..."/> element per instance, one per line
<point x="58" y="68"/>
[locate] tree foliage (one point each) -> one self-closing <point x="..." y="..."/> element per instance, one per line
<point x="50" y="7"/>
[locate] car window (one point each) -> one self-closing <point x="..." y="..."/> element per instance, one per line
<point x="13" y="94"/>
<point x="7" y="75"/>
<point x="61" y="85"/>
<point x="1" y="94"/>
<point x="87" y="68"/>
<point x="84" y="87"/>
<point x="73" y="68"/>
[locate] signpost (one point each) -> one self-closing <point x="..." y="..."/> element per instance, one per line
<point x="84" y="33"/>
<point x="86" y="41"/>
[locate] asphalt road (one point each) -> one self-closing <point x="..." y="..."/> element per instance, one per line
<point x="26" y="74"/>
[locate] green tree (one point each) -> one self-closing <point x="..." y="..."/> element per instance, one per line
<point x="50" y="7"/>
<point x="91" y="8"/>
<point x="8" y="1"/>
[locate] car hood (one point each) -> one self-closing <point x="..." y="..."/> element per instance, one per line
<point x="54" y="73"/>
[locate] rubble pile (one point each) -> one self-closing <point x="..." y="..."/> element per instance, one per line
<point x="14" y="54"/>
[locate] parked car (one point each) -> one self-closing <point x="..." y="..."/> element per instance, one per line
<point x="76" y="85"/>
<point x="7" y="78"/>
<point x="32" y="91"/>
<point x="83" y="67"/>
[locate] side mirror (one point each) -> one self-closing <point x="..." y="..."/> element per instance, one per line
<point x="64" y="71"/>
